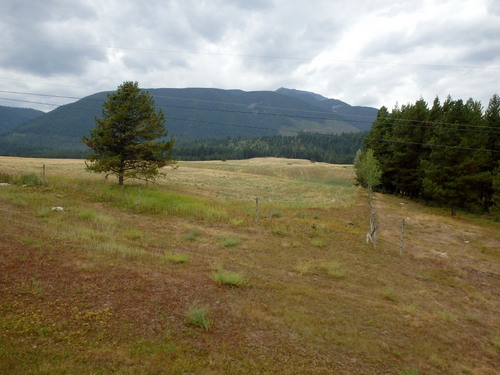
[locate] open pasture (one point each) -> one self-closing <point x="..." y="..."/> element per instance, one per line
<point x="177" y="278"/>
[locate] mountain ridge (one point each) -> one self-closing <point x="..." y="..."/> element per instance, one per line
<point x="10" y="117"/>
<point x="194" y="113"/>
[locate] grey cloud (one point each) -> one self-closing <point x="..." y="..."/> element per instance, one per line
<point x="450" y="37"/>
<point x="252" y="5"/>
<point x="45" y="37"/>
<point x="494" y="7"/>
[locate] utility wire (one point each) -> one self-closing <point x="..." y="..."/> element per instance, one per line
<point x="344" y="117"/>
<point x="291" y="131"/>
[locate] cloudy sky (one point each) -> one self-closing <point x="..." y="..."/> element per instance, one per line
<point x="364" y="52"/>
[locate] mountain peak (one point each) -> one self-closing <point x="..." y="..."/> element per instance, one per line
<point x="300" y="94"/>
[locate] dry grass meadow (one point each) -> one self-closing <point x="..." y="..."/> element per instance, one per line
<point x="177" y="278"/>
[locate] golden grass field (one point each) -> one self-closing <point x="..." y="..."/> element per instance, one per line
<point x="116" y="283"/>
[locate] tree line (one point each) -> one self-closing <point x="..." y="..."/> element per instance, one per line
<point x="448" y="153"/>
<point x="329" y="148"/>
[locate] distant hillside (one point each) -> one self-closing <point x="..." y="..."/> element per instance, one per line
<point x="361" y="117"/>
<point x="11" y="117"/>
<point x="194" y="113"/>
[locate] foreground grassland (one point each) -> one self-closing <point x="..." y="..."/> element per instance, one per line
<point x="177" y="278"/>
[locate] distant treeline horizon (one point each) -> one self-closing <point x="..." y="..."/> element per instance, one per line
<point x="328" y="148"/>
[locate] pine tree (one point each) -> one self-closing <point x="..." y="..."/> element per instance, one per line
<point x="126" y="141"/>
<point x="407" y="148"/>
<point x="377" y="141"/>
<point x="454" y="172"/>
<point x="492" y="122"/>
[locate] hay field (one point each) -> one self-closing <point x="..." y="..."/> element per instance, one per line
<point x="272" y="180"/>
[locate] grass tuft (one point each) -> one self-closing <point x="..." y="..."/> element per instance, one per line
<point x="276" y="214"/>
<point x="230" y="242"/>
<point x="176" y="258"/>
<point x="134" y="234"/>
<point x="198" y="316"/>
<point x="333" y="269"/>
<point x="225" y="277"/>
<point x="195" y="233"/>
<point x="409" y="371"/>
<point x="390" y="294"/>
<point x="303" y="268"/>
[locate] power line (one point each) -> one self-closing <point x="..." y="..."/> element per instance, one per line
<point x="331" y="134"/>
<point x="282" y="130"/>
<point x="344" y="117"/>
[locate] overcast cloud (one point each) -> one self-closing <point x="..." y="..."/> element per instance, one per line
<point x="374" y="53"/>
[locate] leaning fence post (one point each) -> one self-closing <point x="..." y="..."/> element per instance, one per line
<point x="372" y="235"/>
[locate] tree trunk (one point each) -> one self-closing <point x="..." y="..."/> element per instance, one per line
<point x="453" y="210"/>
<point x="120" y="180"/>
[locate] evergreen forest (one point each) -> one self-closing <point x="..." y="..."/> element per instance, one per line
<point x="329" y="148"/>
<point x="447" y="153"/>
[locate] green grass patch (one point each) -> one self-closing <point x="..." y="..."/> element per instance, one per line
<point x="333" y="269"/>
<point x="495" y="339"/>
<point x="230" y="242"/>
<point x="276" y="214"/>
<point x="390" y="294"/>
<point x="409" y="371"/>
<point x="318" y="243"/>
<point x="225" y="277"/>
<point x="198" y="316"/>
<point x="134" y="234"/>
<point x="175" y="258"/>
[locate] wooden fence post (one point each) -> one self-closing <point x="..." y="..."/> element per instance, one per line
<point x="372" y="235"/>
<point x="257" y="211"/>
<point x="402" y="237"/>
<point x="43" y="174"/>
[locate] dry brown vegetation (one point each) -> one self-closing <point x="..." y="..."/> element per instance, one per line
<point x="99" y="289"/>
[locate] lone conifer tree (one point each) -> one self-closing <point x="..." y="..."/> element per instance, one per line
<point x="126" y="141"/>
